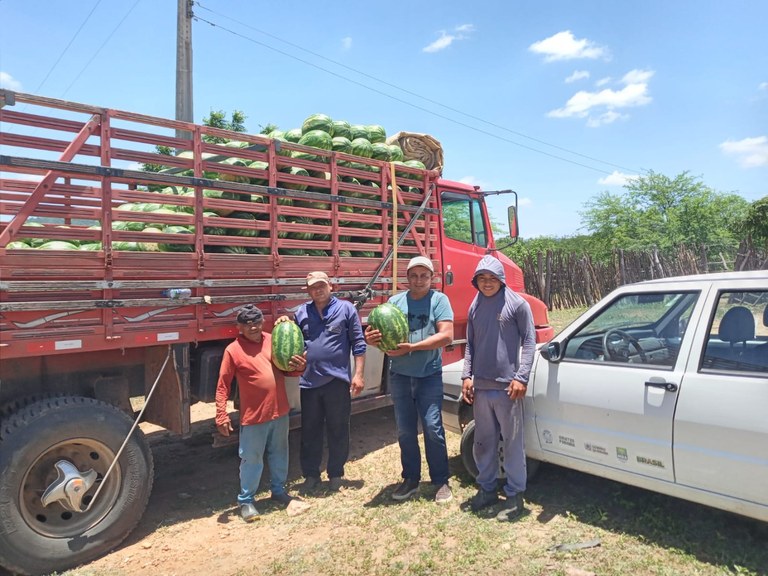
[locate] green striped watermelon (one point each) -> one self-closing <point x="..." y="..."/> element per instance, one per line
<point x="392" y="323"/>
<point x="287" y="341"/>
<point x="376" y="133"/>
<point x="341" y="128"/>
<point x="318" y="122"/>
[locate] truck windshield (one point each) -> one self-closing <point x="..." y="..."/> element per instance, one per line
<point x="463" y="219"/>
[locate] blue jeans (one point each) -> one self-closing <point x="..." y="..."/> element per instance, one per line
<point x="417" y="399"/>
<point x="498" y="416"/>
<point x="256" y="440"/>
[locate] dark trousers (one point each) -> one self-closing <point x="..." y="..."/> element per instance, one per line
<point x="325" y="410"/>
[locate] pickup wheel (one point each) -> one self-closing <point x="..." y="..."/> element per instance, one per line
<point x="64" y="445"/>
<point x="468" y="457"/>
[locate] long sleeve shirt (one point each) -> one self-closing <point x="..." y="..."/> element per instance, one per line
<point x="330" y="337"/>
<point x="261" y="384"/>
<point x="497" y="328"/>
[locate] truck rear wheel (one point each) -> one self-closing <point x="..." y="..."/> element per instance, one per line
<point x="86" y="434"/>
<point x="468" y="457"/>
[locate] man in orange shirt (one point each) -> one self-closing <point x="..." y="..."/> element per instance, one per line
<point x="263" y="409"/>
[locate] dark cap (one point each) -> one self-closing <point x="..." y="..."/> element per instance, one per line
<point x="249" y="313"/>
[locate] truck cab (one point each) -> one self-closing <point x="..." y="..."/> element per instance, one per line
<point x="467" y="237"/>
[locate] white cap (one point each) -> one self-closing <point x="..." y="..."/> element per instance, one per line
<point x="421" y="261"/>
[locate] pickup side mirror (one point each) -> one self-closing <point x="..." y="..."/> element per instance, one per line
<point x="552" y="352"/>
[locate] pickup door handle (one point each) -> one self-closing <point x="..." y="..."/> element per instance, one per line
<point x="668" y="386"/>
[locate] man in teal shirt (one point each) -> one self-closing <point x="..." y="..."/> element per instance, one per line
<point x="416" y="379"/>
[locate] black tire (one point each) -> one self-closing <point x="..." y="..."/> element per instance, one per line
<point x="468" y="457"/>
<point x="88" y="433"/>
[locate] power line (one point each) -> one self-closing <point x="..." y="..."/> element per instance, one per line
<point x="100" y="48"/>
<point x="37" y="91"/>
<point x="520" y="134"/>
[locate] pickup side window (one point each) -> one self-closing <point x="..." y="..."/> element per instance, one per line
<point x="738" y="333"/>
<point x="641" y="329"/>
<point x="463" y="219"/>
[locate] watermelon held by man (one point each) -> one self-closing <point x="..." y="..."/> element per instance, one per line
<point x="392" y="323"/>
<point x="287" y="341"/>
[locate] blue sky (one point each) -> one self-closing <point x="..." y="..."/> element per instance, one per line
<point x="557" y="100"/>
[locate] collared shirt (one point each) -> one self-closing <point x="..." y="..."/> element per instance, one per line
<point x="329" y="338"/>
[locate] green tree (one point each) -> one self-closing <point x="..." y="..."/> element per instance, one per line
<point x="755" y="224"/>
<point x="657" y="211"/>
<point x="218" y="119"/>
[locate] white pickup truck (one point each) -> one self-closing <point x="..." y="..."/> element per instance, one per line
<point x="661" y="384"/>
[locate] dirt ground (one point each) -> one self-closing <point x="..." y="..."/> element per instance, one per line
<point x="192" y="524"/>
<point x="192" y="518"/>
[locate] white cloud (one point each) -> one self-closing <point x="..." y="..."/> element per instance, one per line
<point x="563" y="46"/>
<point x="577" y="75"/>
<point x="751" y="152"/>
<point x="763" y="86"/>
<point x="637" y="76"/>
<point x="604" y="81"/>
<point x="525" y="201"/>
<point x="346" y="42"/>
<point x="603" y="106"/>
<point x="616" y="178"/>
<point x="605" y="118"/>
<point x="9" y="82"/>
<point x="461" y="32"/>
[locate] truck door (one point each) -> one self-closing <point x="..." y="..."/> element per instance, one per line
<point x="610" y="400"/>
<point x="465" y="242"/>
<point x="721" y="431"/>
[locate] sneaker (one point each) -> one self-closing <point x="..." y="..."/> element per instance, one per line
<point x="335" y="483"/>
<point x="513" y="508"/>
<point x="482" y="500"/>
<point x="406" y="489"/>
<point x="309" y="484"/>
<point x="248" y="512"/>
<point x="444" y="494"/>
<point x="283" y="498"/>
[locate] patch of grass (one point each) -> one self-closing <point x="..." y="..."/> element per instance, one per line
<point x="559" y="319"/>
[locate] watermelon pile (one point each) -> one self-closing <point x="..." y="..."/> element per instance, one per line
<point x="392" y="323"/>
<point x="287" y="341"/>
<point x="308" y="221"/>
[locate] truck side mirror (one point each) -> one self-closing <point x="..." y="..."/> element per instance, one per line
<point x="512" y="218"/>
<point x="551" y="352"/>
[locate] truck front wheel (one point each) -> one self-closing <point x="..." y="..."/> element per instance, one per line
<point x="45" y="524"/>
<point x="468" y="457"/>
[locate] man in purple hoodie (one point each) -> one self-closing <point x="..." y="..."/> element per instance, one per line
<point x="495" y="379"/>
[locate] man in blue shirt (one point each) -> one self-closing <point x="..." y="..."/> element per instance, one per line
<point x="416" y="379"/>
<point x="332" y="330"/>
<point x="495" y="379"/>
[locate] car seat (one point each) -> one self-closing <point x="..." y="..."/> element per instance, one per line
<point x="737" y="325"/>
<point x="757" y="358"/>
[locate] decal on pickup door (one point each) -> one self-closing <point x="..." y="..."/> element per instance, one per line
<point x="650" y="461"/>
<point x="566" y="441"/>
<point x="595" y="448"/>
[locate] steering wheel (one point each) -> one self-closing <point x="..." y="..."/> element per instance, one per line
<point x="616" y="345"/>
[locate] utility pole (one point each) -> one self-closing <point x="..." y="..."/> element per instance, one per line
<point x="184" y="110"/>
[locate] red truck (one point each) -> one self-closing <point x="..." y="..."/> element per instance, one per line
<point x="119" y="288"/>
